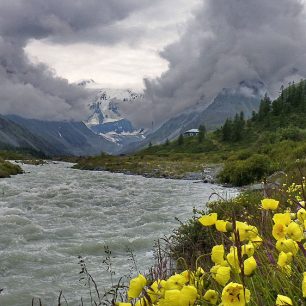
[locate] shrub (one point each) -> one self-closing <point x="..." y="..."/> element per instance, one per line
<point x="243" y="172"/>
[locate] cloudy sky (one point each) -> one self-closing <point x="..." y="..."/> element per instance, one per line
<point x="178" y="51"/>
<point x="122" y="52"/>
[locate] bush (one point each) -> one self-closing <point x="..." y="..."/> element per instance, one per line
<point x="7" y="169"/>
<point x="244" y="172"/>
<point x="291" y="133"/>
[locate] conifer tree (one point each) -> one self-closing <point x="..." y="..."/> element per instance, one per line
<point x="180" y="140"/>
<point x="226" y="130"/>
<point x="202" y="133"/>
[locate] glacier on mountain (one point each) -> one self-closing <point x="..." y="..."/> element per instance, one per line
<point x="106" y="118"/>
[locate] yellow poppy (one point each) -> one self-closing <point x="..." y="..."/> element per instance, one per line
<point x="176" y="281"/>
<point x="269" y="204"/>
<point x="248" y="249"/>
<point x="295" y="232"/>
<point x="249" y="266"/>
<point x="136" y="286"/>
<point x="301" y="215"/>
<point x="279" y="231"/>
<point x="221" y="226"/>
<point x="283" y="300"/>
<point x="217" y="254"/>
<point x="171" y="298"/>
<point x="284" y="218"/>
<point x="221" y="274"/>
<point x="208" y="220"/>
<point x="188" y="296"/>
<point x="287" y="245"/>
<point x="235" y="294"/>
<point x="284" y="259"/>
<point x="232" y="258"/>
<point x="304" y="285"/>
<point x="211" y="296"/>
<point x="156" y="290"/>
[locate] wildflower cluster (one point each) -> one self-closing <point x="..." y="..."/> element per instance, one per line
<point x="256" y="265"/>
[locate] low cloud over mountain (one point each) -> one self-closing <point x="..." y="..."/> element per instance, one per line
<point x="228" y="41"/>
<point x="33" y="90"/>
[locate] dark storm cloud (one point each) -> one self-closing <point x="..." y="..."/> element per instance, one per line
<point x="229" y="41"/>
<point x="33" y="90"/>
<point x="64" y="20"/>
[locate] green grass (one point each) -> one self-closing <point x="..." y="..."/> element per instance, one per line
<point x="7" y="169"/>
<point x="249" y="150"/>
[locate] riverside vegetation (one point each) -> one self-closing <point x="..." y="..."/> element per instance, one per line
<point x="271" y="140"/>
<point x="246" y="251"/>
<point x="26" y="156"/>
<point x="7" y="169"/>
<point x="250" y="250"/>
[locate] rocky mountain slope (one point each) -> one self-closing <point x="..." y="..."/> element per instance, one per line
<point x="245" y="97"/>
<point x="55" y="137"/>
<point x="106" y="118"/>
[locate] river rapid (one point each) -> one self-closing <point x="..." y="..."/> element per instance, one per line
<point x="52" y="214"/>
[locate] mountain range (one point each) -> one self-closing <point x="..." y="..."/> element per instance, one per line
<point x="107" y="130"/>
<point x="106" y="117"/>
<point x="230" y="101"/>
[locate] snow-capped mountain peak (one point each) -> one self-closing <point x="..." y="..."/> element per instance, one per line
<point x="105" y="117"/>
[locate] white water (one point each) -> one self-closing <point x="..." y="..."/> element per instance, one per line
<point x="52" y="213"/>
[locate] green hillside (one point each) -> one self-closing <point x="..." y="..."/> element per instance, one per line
<point x="272" y="140"/>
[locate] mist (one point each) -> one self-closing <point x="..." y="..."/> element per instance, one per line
<point x="226" y="42"/>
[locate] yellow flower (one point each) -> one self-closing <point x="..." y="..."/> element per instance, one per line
<point x="208" y="220"/>
<point x="301" y="215"/>
<point x="185" y="297"/>
<point x="123" y="304"/>
<point x="188" y="296"/>
<point x="187" y="275"/>
<point x="156" y="290"/>
<point x="283" y="300"/>
<point x="246" y="232"/>
<point x="221" y="225"/>
<point x="249" y="266"/>
<point x="171" y="298"/>
<point x="287" y="269"/>
<point x="248" y="249"/>
<point x="232" y="258"/>
<point x="304" y="284"/>
<point x="287" y="245"/>
<point x="176" y="281"/>
<point x="235" y="294"/>
<point x="217" y="254"/>
<point x="200" y="272"/>
<point x="279" y="231"/>
<point x="142" y="302"/>
<point x="269" y="204"/>
<point x="284" y="218"/>
<point x="136" y="286"/>
<point x="294" y="232"/>
<point x="221" y="274"/>
<point x="257" y="241"/>
<point x="211" y="296"/>
<point x="284" y="258"/>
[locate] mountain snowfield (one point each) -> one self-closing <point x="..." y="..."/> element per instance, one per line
<point x="106" y="118"/>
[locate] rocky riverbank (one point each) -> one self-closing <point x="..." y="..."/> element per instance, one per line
<point x="206" y="175"/>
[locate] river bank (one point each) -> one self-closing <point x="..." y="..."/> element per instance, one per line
<point x="7" y="169"/>
<point x="173" y="167"/>
<point x="52" y="214"/>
